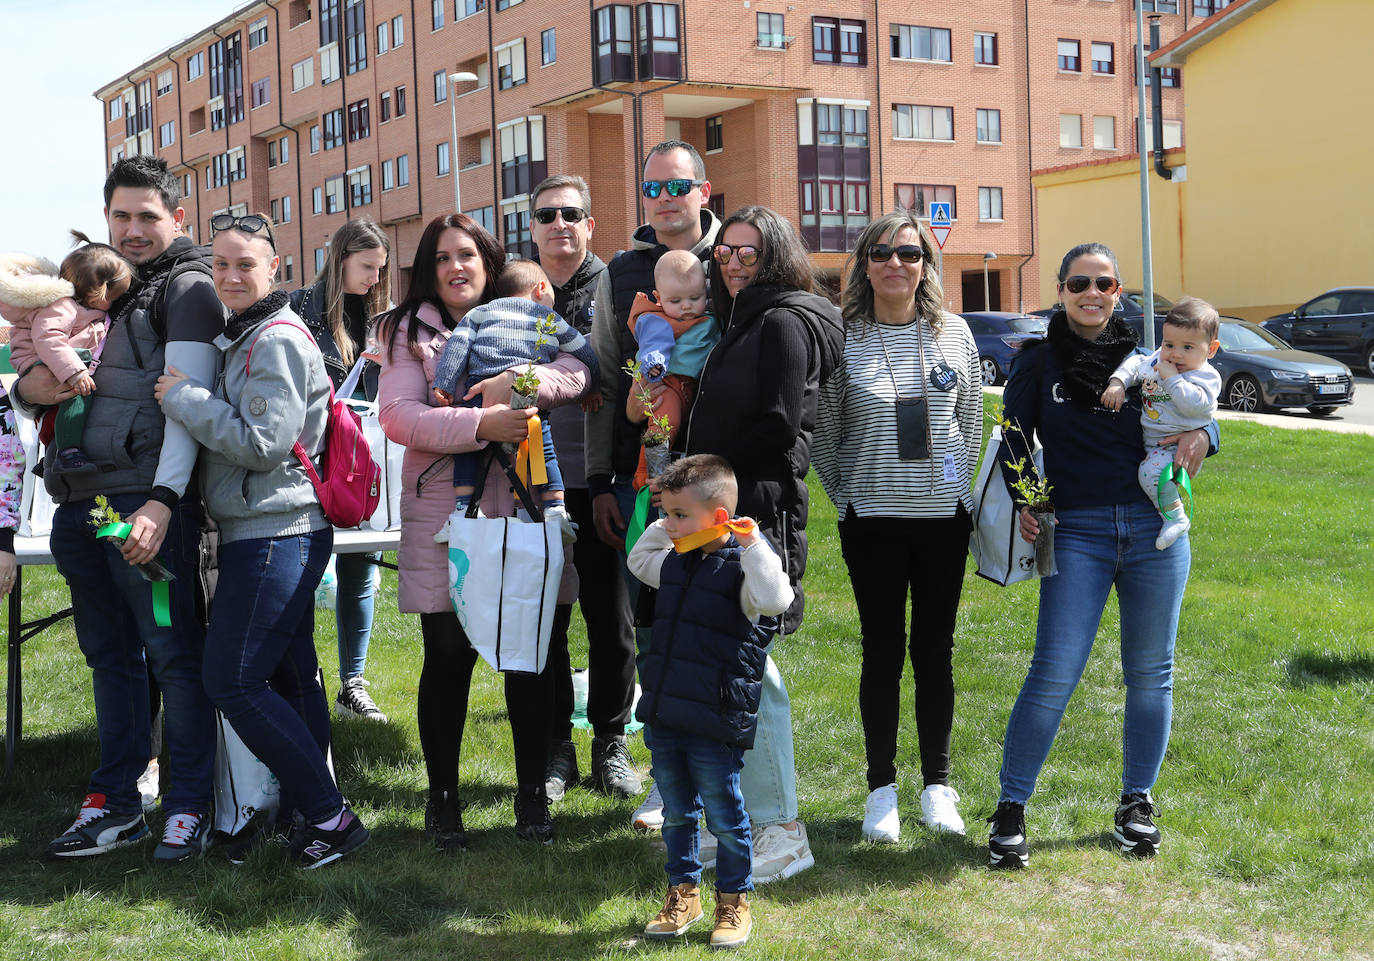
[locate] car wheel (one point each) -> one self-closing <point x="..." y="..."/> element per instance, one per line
<point x="1244" y="395"/>
<point x="1322" y="411"/>
<point x="992" y="374"/>
<point x="1369" y="358"/>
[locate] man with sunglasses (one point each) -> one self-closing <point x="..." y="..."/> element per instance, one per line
<point x="123" y="626"/>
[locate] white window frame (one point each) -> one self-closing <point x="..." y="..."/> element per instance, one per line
<point x="912" y="114"/>
<point x="1104" y="143"/>
<point x="303" y="74"/>
<point x="994" y="114"/>
<point x="986" y="197"/>
<point x="506" y="56"/>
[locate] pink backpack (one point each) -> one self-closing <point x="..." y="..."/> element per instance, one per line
<point x="349" y="482"/>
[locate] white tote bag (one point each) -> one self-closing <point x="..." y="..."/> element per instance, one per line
<point x="1002" y="554"/>
<point x="503" y="576"/>
<point x="244" y="786"/>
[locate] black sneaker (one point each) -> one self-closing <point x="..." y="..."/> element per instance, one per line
<point x="97" y="831"/>
<point x="1135" y="827"/>
<point x="612" y="771"/>
<point x="561" y="770"/>
<point x="444" y="822"/>
<point x="313" y="847"/>
<point x="532" y="821"/>
<point x="1007" y="840"/>
<point x="354" y="701"/>
<point x="256" y="834"/>
<point x="183" y="837"/>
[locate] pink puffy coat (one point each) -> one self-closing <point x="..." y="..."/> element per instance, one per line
<point x="429" y="433"/>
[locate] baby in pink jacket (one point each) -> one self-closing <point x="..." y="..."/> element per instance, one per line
<point x="59" y="319"/>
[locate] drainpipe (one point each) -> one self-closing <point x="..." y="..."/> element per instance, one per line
<point x="1157" y="105"/>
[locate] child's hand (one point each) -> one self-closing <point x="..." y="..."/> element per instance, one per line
<point x="592" y="402"/>
<point x="82" y="382"/>
<point x="444" y="398"/>
<point x="1113" y="396"/>
<point x="749" y="539"/>
<point x="1165" y="369"/>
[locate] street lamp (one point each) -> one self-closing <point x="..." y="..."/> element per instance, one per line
<point x="987" y="300"/>
<point x="453" y="81"/>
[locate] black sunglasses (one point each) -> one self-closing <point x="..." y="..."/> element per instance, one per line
<point x="248" y="223"/>
<point x="571" y="215"/>
<point x="676" y="188"/>
<point x="1080" y="282"/>
<point x="748" y="256"/>
<point x="906" y="253"/>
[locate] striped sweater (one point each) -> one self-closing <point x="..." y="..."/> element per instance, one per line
<point x="856" y="433"/>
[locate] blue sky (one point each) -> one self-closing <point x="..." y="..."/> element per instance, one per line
<point x="53" y="56"/>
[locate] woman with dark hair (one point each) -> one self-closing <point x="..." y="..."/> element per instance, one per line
<point x="455" y="269"/>
<point x="899" y="434"/>
<point x="1105" y="530"/>
<point x="756" y="407"/>
<point x="353" y="288"/>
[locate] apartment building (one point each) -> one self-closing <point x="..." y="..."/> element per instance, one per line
<point x="830" y="112"/>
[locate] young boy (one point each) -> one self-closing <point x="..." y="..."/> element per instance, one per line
<point x="675" y="332"/>
<point x="495" y="337"/>
<point x="1178" y="392"/>
<point x="701" y="677"/>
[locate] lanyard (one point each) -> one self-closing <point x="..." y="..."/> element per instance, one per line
<point x="925" y="389"/>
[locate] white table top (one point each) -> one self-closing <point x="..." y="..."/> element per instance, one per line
<point x="34" y="550"/>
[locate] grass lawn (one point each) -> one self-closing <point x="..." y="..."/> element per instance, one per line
<point x="1268" y="816"/>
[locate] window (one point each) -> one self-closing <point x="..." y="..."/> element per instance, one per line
<point x="920" y="43"/>
<point x="1070" y="130"/>
<point x="317" y="200"/>
<point x="855" y="128"/>
<point x="188" y="184"/>
<point x="510" y="64"/>
<point x="288" y="267"/>
<point x="985" y="48"/>
<point x="506" y="4"/>
<point x="486" y="216"/>
<point x="400" y="101"/>
<point x="856" y="201"/>
<point x="384" y="106"/>
<point x="262" y="91"/>
<point x="319" y="259"/>
<point x="919" y="197"/>
<point x="329" y="22"/>
<point x="660" y="52"/>
<point x="1205" y="8"/>
<point x="167" y="134"/>
<point x="1160" y="6"/>
<point x="355" y="36"/>
<point x="548" y="45"/>
<point x="226" y="81"/>
<point x="333" y="128"/>
<point x="195" y="120"/>
<point x="467" y="8"/>
<point x="116" y="108"/>
<point x="271" y="154"/>
<point x="360" y="186"/>
<point x="437" y="13"/>
<point x="989" y="203"/>
<point x="522" y="155"/>
<point x="388" y="175"/>
<point x="1168" y="76"/>
<point x="315" y="138"/>
<point x="329" y="63"/>
<point x="359" y="125"/>
<point x="383" y="37"/>
<point x="614" y="43"/>
<point x="714" y="140"/>
<point x="1104" y="133"/>
<point x="829" y="125"/>
<point x="989" y="126"/>
<point x="920" y="122"/>
<point x="164" y="82"/>
<point x="1173" y="134"/>
<point x="398" y="31"/>
<point x="403" y="170"/>
<point x="515" y="220"/>
<point x="441" y="158"/>
<point x="286" y="210"/>
<point x="334" y="195"/>
<point x="1104" y="61"/>
<point x="195" y="65"/>
<point x="440" y="86"/>
<point x="302" y="74"/>
<point x="257" y="33"/>
<point x="770" y="32"/>
<point x="839" y="41"/>
<point x="1069" y="59"/>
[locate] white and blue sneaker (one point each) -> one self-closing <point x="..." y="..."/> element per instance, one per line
<point x="97" y="831"/>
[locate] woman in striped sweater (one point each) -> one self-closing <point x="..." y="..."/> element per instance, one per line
<point x="897" y="439"/>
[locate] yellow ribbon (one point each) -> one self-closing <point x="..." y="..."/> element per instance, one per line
<point x="707" y="534"/>
<point x="529" y="458"/>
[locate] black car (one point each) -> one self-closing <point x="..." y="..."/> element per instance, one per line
<point x="999" y="336"/>
<point x="1259" y="372"/>
<point x="1339" y="323"/>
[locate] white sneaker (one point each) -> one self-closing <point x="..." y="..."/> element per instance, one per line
<point x="1171" y="531"/>
<point x="707" y="847"/>
<point x="148" y="786"/>
<point x="881" y="821"/>
<point x="649" y="815"/>
<point x="937" y="804"/>
<point x="780" y="853"/>
<point x="558" y="514"/>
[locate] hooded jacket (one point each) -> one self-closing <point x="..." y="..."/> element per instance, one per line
<point x="575" y="302"/>
<point x="49" y="323"/>
<point x="756" y="406"/>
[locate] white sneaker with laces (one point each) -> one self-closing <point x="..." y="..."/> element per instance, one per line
<point x="148" y="786"/>
<point x="649" y="815"/>
<point x="937" y="805"/>
<point x="881" y="820"/>
<point x="780" y="853"/>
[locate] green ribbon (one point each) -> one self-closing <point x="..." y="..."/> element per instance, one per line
<point x="639" y="520"/>
<point x="162" y="600"/>
<point x="1177" y="476"/>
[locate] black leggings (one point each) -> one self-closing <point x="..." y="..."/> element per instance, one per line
<point x="887" y="557"/>
<point x="443" y="707"/>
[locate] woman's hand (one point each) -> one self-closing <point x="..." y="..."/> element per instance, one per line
<point x="167" y="382"/>
<point x="1192" y="449"/>
<point x="502" y="424"/>
<point x="634" y="403"/>
<point x="1030" y="527"/>
<point x="8" y="566"/>
<point x="495" y="390"/>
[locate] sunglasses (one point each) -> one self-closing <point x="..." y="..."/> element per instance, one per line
<point x="748" y="256"/>
<point x="1080" y="282"/>
<point x="248" y="223"/>
<point x="571" y="215"/>
<point x="676" y="188"/>
<point x="906" y="253"/>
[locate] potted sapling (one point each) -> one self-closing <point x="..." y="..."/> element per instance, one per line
<point x="525" y="388"/>
<point x="658" y="430"/>
<point x="1032" y="491"/>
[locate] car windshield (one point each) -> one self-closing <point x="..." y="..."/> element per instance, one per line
<point x="1235" y="336"/>
<point x="1029" y="325"/>
<point x="1137" y="297"/>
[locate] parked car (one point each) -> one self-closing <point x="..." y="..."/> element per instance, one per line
<point x="1339" y="323"/>
<point x="1000" y="335"/>
<point x="1259" y="372"/>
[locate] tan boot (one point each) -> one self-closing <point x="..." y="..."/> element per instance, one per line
<point x="680" y="911"/>
<point x="733" y="920"/>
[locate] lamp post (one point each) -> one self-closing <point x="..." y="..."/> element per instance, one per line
<point x="453" y="81"/>
<point x="987" y="300"/>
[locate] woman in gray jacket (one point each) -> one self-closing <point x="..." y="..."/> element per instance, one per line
<point x="260" y="666"/>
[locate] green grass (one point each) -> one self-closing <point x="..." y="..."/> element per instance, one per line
<point x="1267" y="810"/>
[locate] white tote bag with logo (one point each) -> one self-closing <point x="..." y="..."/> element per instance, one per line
<point x="1002" y="554"/>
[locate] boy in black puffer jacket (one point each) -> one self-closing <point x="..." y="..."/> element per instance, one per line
<point x="701" y="679"/>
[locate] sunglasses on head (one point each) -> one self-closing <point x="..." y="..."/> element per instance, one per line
<point x="748" y="256"/>
<point x="1080" y="282"/>
<point x="906" y="253"/>
<point x="248" y="223"/>
<point x="676" y="188"/>
<point x="571" y="215"/>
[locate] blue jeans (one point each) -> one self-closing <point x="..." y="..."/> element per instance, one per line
<point x="113" y="613"/>
<point x="693" y="773"/>
<point x="353" y="610"/>
<point x="260" y="666"/>
<point x="1096" y="548"/>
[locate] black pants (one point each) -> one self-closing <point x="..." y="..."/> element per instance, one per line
<point x="887" y="557"/>
<point x="443" y="707"/>
<point x="610" y="636"/>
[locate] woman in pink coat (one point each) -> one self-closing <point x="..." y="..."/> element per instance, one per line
<point x="456" y="264"/>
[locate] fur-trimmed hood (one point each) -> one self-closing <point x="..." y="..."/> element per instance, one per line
<point x="28" y="283"/>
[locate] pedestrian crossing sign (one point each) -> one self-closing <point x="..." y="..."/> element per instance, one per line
<point x="940" y="222"/>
